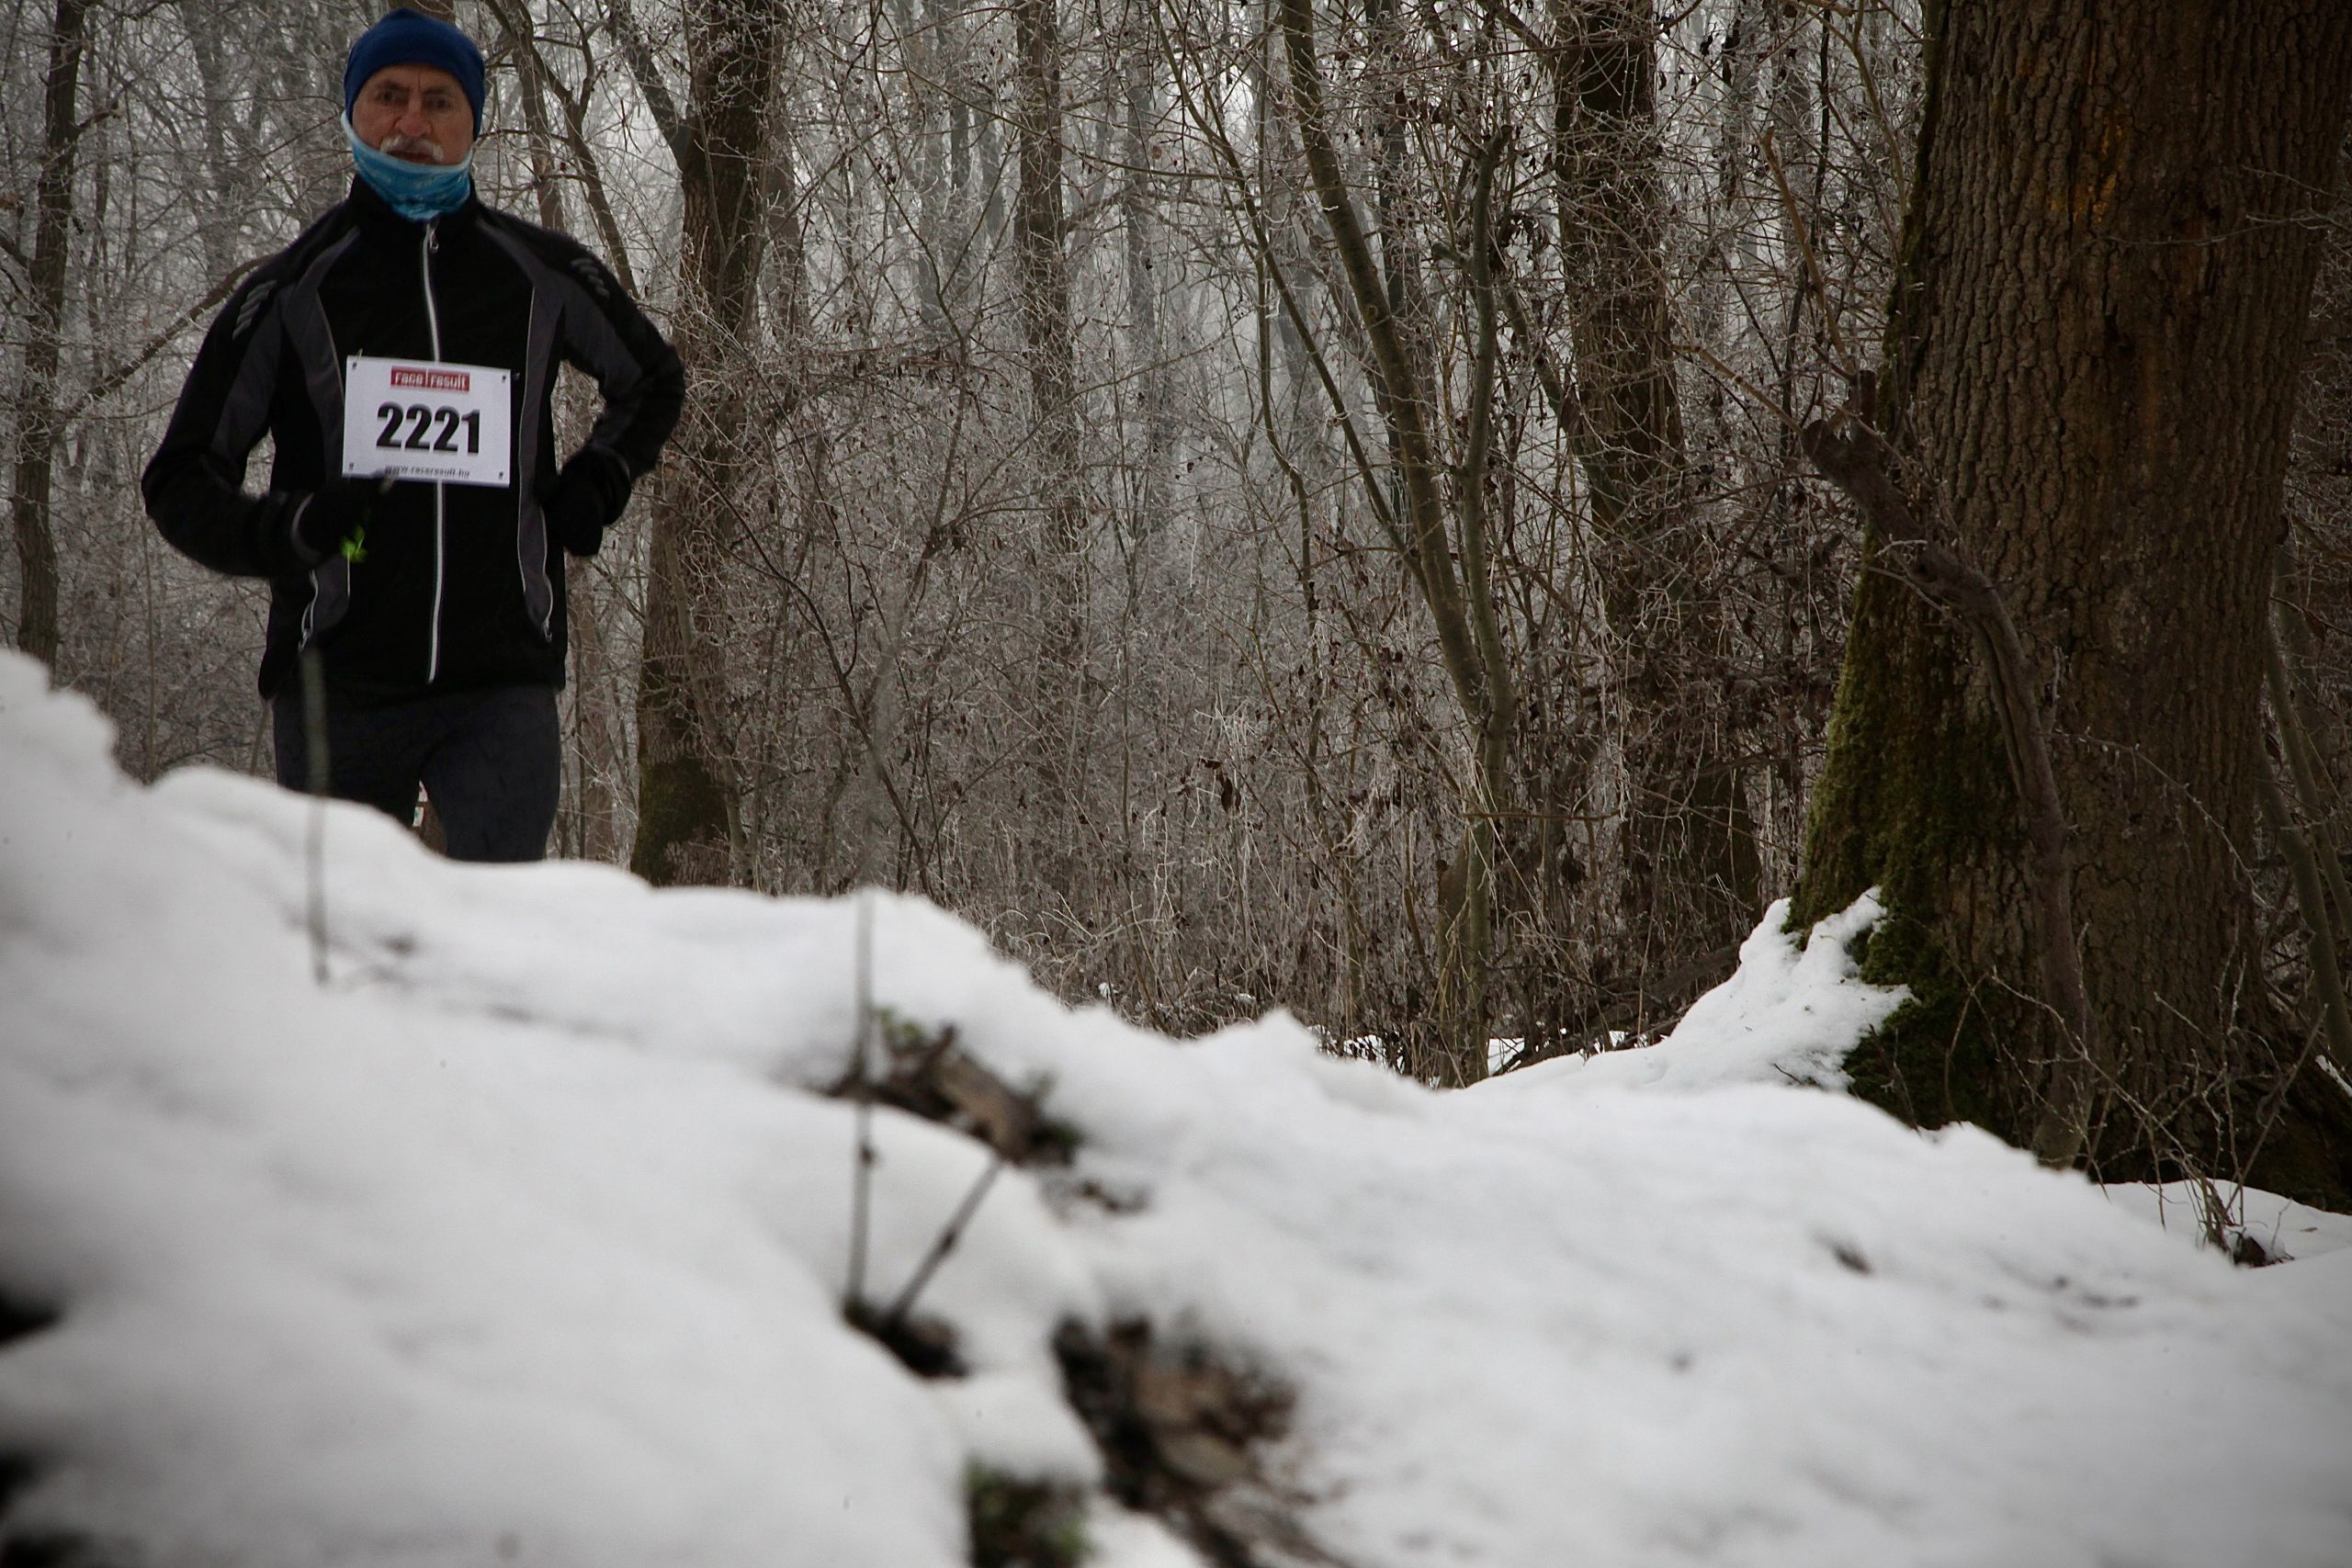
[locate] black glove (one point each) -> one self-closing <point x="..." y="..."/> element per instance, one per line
<point x="585" y="498"/>
<point x="333" y="520"/>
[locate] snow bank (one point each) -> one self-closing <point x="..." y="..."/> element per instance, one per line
<point x="1788" y="1015"/>
<point x="523" y="1239"/>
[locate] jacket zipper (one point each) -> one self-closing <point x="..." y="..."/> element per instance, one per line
<point x="440" y="565"/>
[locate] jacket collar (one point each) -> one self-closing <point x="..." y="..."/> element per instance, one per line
<point x="377" y="217"/>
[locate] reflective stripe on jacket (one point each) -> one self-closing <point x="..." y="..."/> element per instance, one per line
<point x="458" y="586"/>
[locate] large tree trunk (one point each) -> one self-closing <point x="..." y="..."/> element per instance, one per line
<point x="35" y="402"/>
<point x="2091" y="374"/>
<point x="687" y="822"/>
<point x="1057" y="757"/>
<point x="1691" y="883"/>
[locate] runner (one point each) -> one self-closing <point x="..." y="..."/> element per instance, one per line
<point x="401" y="354"/>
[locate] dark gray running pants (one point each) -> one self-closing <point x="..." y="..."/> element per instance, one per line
<point x="492" y="760"/>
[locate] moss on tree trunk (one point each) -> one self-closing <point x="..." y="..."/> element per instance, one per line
<point x="2090" y="381"/>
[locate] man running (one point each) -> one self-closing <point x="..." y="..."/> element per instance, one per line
<point x="401" y="354"/>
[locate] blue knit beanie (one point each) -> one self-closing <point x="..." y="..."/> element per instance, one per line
<point x="412" y="38"/>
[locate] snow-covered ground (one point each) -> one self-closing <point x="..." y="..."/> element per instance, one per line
<point x="523" y="1239"/>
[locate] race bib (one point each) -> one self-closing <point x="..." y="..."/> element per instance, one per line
<point x="426" y="419"/>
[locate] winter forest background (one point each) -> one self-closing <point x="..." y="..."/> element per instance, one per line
<point x="1275" y="504"/>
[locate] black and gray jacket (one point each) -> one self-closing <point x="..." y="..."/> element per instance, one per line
<point x="458" y="586"/>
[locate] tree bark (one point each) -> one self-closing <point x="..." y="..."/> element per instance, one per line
<point x="1057" y="760"/>
<point x="216" y="225"/>
<point x="1692" y="879"/>
<point x="35" y="402"/>
<point x="1139" y="199"/>
<point x="687" y="829"/>
<point x="2091" y="374"/>
<point x="1038" y="222"/>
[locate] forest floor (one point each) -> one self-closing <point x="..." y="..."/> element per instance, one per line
<point x="524" y="1237"/>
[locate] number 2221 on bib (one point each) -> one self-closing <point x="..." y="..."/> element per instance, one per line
<point x="428" y="420"/>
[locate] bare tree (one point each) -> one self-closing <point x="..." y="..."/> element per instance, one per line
<point x="687" y="827"/>
<point x="1691" y="884"/>
<point x="34" y="406"/>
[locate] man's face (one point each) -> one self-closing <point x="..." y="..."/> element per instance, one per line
<point x="416" y="112"/>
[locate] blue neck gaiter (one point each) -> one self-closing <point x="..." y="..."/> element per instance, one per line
<point x="418" y="192"/>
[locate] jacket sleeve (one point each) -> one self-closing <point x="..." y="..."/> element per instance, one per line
<point x="194" y="485"/>
<point x="640" y="376"/>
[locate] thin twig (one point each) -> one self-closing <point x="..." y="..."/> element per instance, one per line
<point x="948" y="1236"/>
<point x="2311" y="789"/>
<point x="1846" y="360"/>
<point x="314" y="746"/>
<point x="104" y="386"/>
<point x="1765" y="400"/>
<point x="2327" y="976"/>
<point x="861" y="1194"/>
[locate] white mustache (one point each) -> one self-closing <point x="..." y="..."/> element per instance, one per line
<point x="397" y="143"/>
